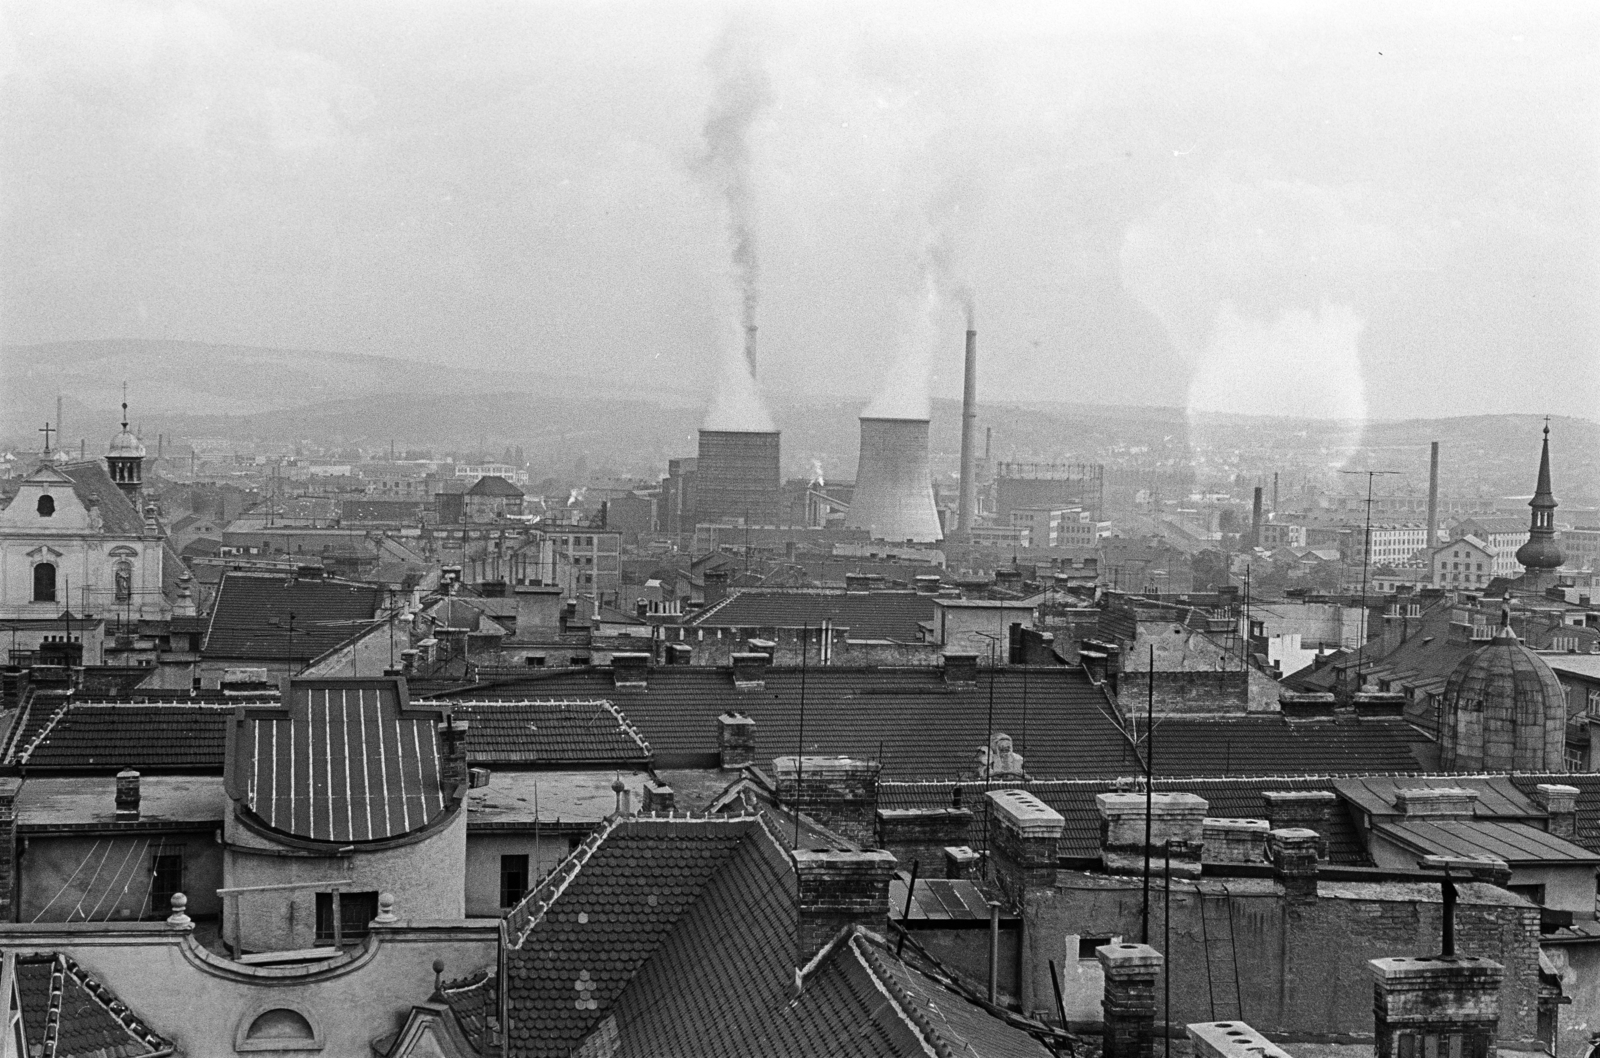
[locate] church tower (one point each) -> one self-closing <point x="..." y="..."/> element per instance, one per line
<point x="1540" y="556"/>
<point x="125" y="460"/>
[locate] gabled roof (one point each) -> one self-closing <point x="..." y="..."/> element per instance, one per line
<point x="107" y="736"/>
<point x="251" y="616"/>
<point x="91" y="1022"/>
<point x="1498" y="796"/>
<point x="550" y="732"/>
<point x="913" y="721"/>
<point x="345" y="761"/>
<point x="894" y="615"/>
<point x="494" y="485"/>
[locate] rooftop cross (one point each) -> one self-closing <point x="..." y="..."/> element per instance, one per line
<point x="47" y="430"/>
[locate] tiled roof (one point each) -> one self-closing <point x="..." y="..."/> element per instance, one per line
<point x="493" y="485"/>
<point x="1273" y="745"/>
<point x="94" y="487"/>
<point x="549" y="732"/>
<point x="93" y="1023"/>
<point x="710" y="991"/>
<point x="868" y="615"/>
<point x="1588" y="786"/>
<point x="149" y="737"/>
<point x="251" y="616"/>
<point x="605" y="917"/>
<point x="1512" y="842"/>
<point x="475" y="1001"/>
<point x="344" y="762"/>
<point x="1229" y="798"/>
<point x="918" y="725"/>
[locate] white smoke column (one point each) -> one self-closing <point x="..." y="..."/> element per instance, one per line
<point x="1250" y="363"/>
<point x="740" y="93"/>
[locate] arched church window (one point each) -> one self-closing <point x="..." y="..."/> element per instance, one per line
<point x="44" y="582"/>
<point x="122" y="577"/>
<point x="47" y="506"/>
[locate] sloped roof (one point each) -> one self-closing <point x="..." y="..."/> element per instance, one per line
<point x="250" y="618"/>
<point x="1273" y="745"/>
<point x="910" y="719"/>
<point x="1512" y="842"/>
<point x="550" y="732"/>
<point x="892" y="615"/>
<point x="346" y="761"/>
<point x="153" y="737"/>
<point x="92" y="1023"/>
<point x="96" y="489"/>
<point x="1498" y="796"/>
<point x="493" y="485"/>
<point x="1588" y="787"/>
<point x="475" y="1001"/>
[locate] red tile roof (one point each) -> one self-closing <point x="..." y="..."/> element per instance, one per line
<point x="345" y="762"/>
<point x="251" y="616"/>
<point x="92" y="1022"/>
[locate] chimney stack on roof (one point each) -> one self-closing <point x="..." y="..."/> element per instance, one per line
<point x="736" y="739"/>
<point x="453" y="772"/>
<point x="960" y="668"/>
<point x="1436" y="802"/>
<point x="630" y="669"/>
<point x="837" y="889"/>
<point x="750" y="670"/>
<point x="1129" y="1002"/>
<point x="841" y="793"/>
<point x="127" y="796"/>
<point x="1561" y="804"/>
<point x="1178" y="818"/>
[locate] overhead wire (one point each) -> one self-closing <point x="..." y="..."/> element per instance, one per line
<point x="69" y="881"/>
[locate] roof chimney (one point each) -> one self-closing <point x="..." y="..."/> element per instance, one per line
<point x="1436" y="802"/>
<point x="1178" y="817"/>
<point x="837" y="889"/>
<point x="749" y="670"/>
<point x="736" y="739"/>
<point x="1026" y="839"/>
<point x="716" y="586"/>
<point x="1129" y="1002"/>
<point x="1561" y="803"/>
<point x="960" y="668"/>
<point x="630" y="669"/>
<point x="127" y="796"/>
<point x="841" y="793"/>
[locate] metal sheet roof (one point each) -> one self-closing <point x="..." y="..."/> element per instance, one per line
<point x="1512" y="842"/>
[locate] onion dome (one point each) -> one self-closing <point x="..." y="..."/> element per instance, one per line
<point x="126" y="443"/>
<point x="1504" y="710"/>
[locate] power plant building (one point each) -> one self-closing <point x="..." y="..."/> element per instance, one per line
<point x="893" y="497"/>
<point x="1031" y="486"/>
<point x="736" y="477"/>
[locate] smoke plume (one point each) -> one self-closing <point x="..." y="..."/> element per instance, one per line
<point x="740" y="92"/>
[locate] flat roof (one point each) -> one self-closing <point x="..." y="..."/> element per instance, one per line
<point x="92" y="801"/>
<point x="521" y="798"/>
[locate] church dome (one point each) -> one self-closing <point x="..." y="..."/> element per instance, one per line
<point x="1504" y="710"/>
<point x="126" y="444"/>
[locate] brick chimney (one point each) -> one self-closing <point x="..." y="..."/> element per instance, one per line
<point x="960" y="668"/>
<point x="841" y="793"/>
<point x="1024" y="837"/>
<point x="960" y="862"/>
<point x="1175" y="817"/>
<point x="716" y="586"/>
<point x="1235" y="840"/>
<point x="736" y="738"/>
<point x="838" y="888"/>
<point x="1293" y="852"/>
<point x="1129" y="1002"/>
<point x="658" y="797"/>
<point x="750" y="670"/>
<point x="453" y="754"/>
<point x="923" y="835"/>
<point x="1561" y="802"/>
<point x="127" y="796"/>
<point x="630" y="670"/>
<point x="1436" y="803"/>
<point x="1423" y="1006"/>
<point x="1301" y="809"/>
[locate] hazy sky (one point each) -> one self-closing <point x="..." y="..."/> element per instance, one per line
<point x="1390" y="208"/>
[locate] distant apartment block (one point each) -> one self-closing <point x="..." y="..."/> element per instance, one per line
<point x="1464" y="563"/>
<point x="1502" y="536"/>
<point x="1056" y="526"/>
<point x="515" y="475"/>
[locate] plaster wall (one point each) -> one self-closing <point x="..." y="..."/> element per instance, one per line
<point x="1565" y="888"/>
<point x="200" y="1001"/>
<point x="108" y="877"/>
<point x="483" y="864"/>
<point x="425" y="877"/>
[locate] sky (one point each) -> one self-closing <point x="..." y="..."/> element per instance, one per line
<point x="1345" y="209"/>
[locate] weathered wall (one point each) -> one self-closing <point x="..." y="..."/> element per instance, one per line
<point x="108" y="877"/>
<point x="1300" y="968"/>
<point x="484" y="850"/>
<point x="965" y="952"/>
<point x="425" y="877"/>
<point x="1578" y="966"/>
<point x="200" y="1004"/>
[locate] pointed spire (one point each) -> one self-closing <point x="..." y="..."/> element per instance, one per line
<point x="1541" y="555"/>
<point x="1542" y="494"/>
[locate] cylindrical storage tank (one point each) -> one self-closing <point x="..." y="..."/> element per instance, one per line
<point x="894" y="492"/>
<point x="737" y="477"/>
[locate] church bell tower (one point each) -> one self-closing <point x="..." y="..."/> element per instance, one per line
<point x="125" y="459"/>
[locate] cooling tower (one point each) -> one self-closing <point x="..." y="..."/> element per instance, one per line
<point x="894" y="492"/>
<point x="736" y="477"/>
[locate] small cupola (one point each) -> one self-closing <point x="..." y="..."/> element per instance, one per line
<point x="125" y="457"/>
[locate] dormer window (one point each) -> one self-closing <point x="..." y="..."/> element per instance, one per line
<point x="47" y="506"/>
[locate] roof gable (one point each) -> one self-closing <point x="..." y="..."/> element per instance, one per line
<point x="89" y="1021"/>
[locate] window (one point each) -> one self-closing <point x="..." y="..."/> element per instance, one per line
<point x="44" y="582"/>
<point x="1574" y="758"/>
<point x="279" y="1028"/>
<point x="166" y="878"/>
<point x="1532" y="893"/>
<point x="47" y="506"/>
<point x="356" y="912"/>
<point x="1087" y="946"/>
<point x="1594" y="701"/>
<point x="513" y="879"/>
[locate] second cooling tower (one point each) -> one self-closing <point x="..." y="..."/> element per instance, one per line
<point x="894" y="491"/>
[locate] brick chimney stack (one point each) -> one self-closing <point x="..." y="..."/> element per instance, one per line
<point x="1561" y="803"/>
<point x="841" y="793"/>
<point x="1025" y="836"/>
<point x="1293" y="852"/>
<point x="839" y="888"/>
<point x="127" y="796"/>
<point x="1129" y="1002"/>
<point x="1421" y="1006"/>
<point x="1175" y="817"/>
<point x="453" y="758"/>
<point x="736" y="738"/>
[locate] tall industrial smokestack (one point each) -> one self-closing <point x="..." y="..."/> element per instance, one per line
<point x="750" y="348"/>
<point x="1433" y="494"/>
<point x="969" y="437"/>
<point x="893" y="497"/>
<point x="1255" y="519"/>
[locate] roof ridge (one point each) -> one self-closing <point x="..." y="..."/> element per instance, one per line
<point x="131" y="1022"/>
<point x="52" y="1016"/>
<point x="926" y="1034"/>
<point x="626" y="724"/>
<point x="45" y="730"/>
<point x="547" y="892"/>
